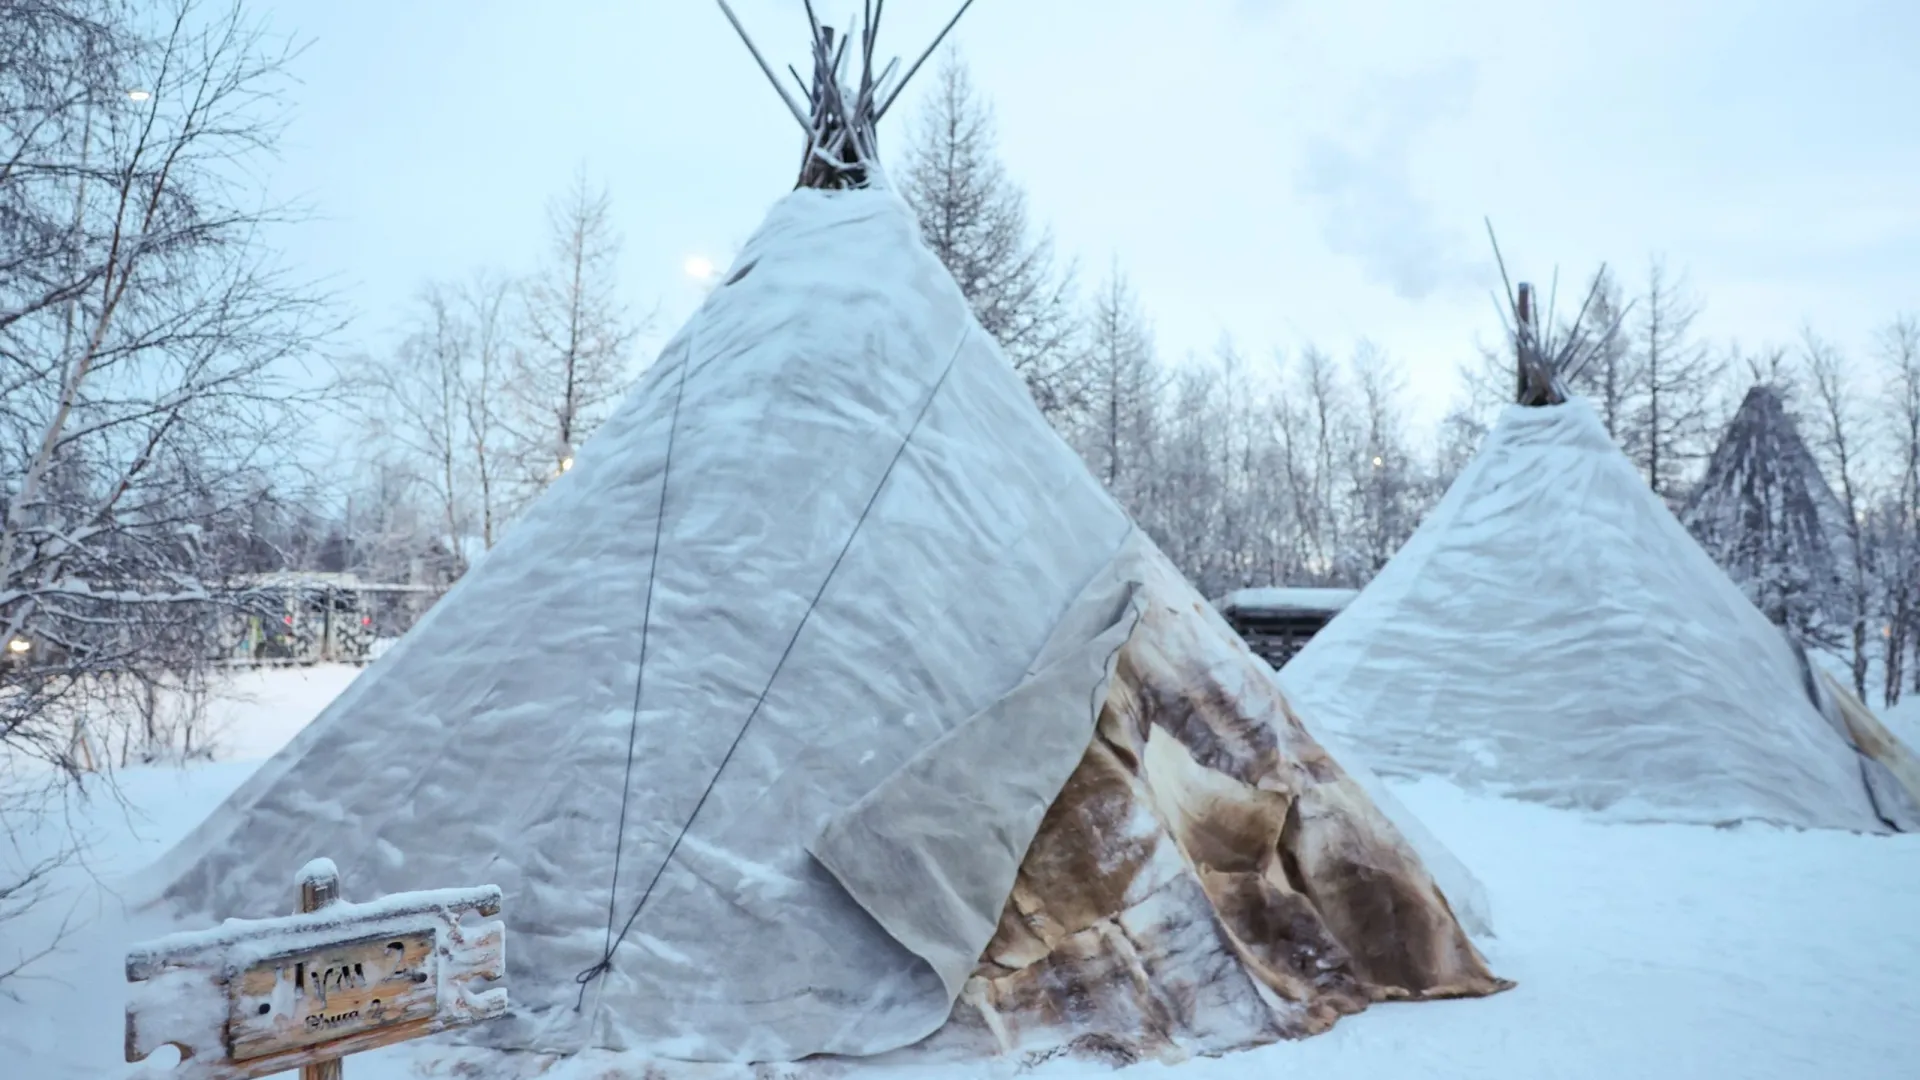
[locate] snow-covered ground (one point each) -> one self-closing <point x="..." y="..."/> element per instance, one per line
<point x="259" y="709"/>
<point x="1641" y="951"/>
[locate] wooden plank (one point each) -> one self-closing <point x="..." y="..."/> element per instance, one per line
<point x="312" y="996"/>
<point x="253" y="998"/>
<point x="145" y="960"/>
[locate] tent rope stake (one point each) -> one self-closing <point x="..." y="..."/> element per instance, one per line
<point x="605" y="963"/>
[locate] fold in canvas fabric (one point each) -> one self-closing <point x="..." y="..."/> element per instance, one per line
<point x="846" y="432"/>
<point x="1209" y="878"/>
<point x="931" y="853"/>
<point x="1892" y="771"/>
<point x="1551" y="631"/>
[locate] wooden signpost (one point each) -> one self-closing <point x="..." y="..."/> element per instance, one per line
<point x="253" y="997"/>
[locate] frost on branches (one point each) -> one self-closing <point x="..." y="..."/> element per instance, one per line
<point x="144" y="335"/>
<point x="1766" y="515"/>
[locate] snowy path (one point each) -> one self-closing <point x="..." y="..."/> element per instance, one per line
<point x="1641" y="951"/>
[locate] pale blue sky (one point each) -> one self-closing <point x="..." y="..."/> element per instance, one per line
<point x="1282" y="170"/>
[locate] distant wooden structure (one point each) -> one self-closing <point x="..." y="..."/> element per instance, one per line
<point x="1276" y="623"/>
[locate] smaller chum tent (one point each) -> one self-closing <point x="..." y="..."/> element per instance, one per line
<point x="1552" y="632"/>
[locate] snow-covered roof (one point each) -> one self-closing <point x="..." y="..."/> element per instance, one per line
<point x="1552" y="631"/>
<point x="300" y="578"/>
<point x="1285" y="599"/>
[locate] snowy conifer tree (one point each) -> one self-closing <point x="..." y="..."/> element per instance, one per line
<point x="1666" y="423"/>
<point x="1766" y="515"/>
<point x="1123" y="382"/>
<point x="975" y="219"/>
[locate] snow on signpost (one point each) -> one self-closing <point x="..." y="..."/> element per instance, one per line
<point x="253" y="997"/>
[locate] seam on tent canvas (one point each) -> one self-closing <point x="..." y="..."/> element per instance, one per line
<point x="639" y="675"/>
<point x="605" y="963"/>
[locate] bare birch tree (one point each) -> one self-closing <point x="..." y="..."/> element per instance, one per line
<point x="1124" y="383"/>
<point x="439" y="402"/>
<point x="1384" y="479"/>
<point x="150" y="353"/>
<point x="1611" y="380"/>
<point x="1315" y="446"/>
<point x="493" y="355"/>
<point x="1841" y="442"/>
<point x="577" y="360"/>
<point x="1182" y="507"/>
<point x="1899" y="347"/>
<point x="416" y="402"/>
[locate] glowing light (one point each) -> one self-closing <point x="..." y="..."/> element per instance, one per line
<point x="19" y="645"/>
<point x="138" y="95"/>
<point x="1377" y="462"/>
<point x="700" y="268"/>
<point x="566" y="463"/>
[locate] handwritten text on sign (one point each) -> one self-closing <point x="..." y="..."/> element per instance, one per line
<point x="254" y="997"/>
<point x="316" y="996"/>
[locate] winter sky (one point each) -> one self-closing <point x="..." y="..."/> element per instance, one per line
<point x="1284" y="170"/>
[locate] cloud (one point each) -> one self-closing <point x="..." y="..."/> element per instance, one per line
<point x="1363" y="184"/>
<point x="1260" y="8"/>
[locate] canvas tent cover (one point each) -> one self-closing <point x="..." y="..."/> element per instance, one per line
<point x="1551" y="631"/>
<point x="856" y="856"/>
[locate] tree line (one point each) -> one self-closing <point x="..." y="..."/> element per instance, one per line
<point x="1304" y="469"/>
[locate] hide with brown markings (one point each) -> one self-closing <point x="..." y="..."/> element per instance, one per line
<point x="1209" y="879"/>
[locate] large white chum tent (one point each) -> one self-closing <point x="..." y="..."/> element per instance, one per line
<point x="1551" y="631"/>
<point x="829" y="706"/>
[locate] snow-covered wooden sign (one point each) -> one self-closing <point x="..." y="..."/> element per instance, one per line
<point x="253" y="997"/>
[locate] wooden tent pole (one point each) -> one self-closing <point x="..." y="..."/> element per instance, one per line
<point x="1522" y="339"/>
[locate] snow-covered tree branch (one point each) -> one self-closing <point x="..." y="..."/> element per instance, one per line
<point x="153" y="359"/>
<point x="578" y="354"/>
<point x="975" y="219"/>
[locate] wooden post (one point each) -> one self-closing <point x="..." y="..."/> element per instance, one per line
<point x="1523" y="340"/>
<point x="319" y="887"/>
<point x="326" y="624"/>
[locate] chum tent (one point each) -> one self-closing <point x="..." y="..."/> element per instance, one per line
<point x="1552" y="632"/>
<point x="830" y="706"/>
